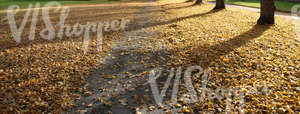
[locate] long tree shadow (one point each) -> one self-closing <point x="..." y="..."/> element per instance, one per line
<point x="3" y="45"/>
<point x="174" y="20"/>
<point x="166" y="7"/>
<point x="210" y="54"/>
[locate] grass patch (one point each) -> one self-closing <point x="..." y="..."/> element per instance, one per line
<point x="24" y="3"/>
<point x="280" y="5"/>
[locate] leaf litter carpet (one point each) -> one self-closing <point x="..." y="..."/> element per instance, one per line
<point x="56" y="76"/>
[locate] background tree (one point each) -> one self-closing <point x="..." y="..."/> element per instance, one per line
<point x="198" y="2"/>
<point x="267" y="9"/>
<point x="220" y="4"/>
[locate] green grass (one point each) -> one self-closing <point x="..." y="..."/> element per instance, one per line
<point x="4" y="4"/>
<point x="280" y="5"/>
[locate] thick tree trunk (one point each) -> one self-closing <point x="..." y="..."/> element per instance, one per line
<point x="267" y="9"/>
<point x="220" y="4"/>
<point x="198" y="2"/>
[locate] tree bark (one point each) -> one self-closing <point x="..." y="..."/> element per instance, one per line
<point x="220" y="4"/>
<point x="267" y="9"/>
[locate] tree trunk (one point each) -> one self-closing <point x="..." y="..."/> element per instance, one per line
<point x="198" y="2"/>
<point x="220" y="4"/>
<point x="267" y="9"/>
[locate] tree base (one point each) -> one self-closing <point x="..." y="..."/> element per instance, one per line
<point x="219" y="7"/>
<point x="265" y="20"/>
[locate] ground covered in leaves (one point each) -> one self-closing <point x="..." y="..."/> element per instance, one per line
<point x="46" y="76"/>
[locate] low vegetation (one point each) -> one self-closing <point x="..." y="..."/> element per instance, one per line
<point x="281" y="5"/>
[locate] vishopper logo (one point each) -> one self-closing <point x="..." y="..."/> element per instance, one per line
<point x="230" y="94"/>
<point x="295" y="12"/>
<point x="49" y="33"/>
